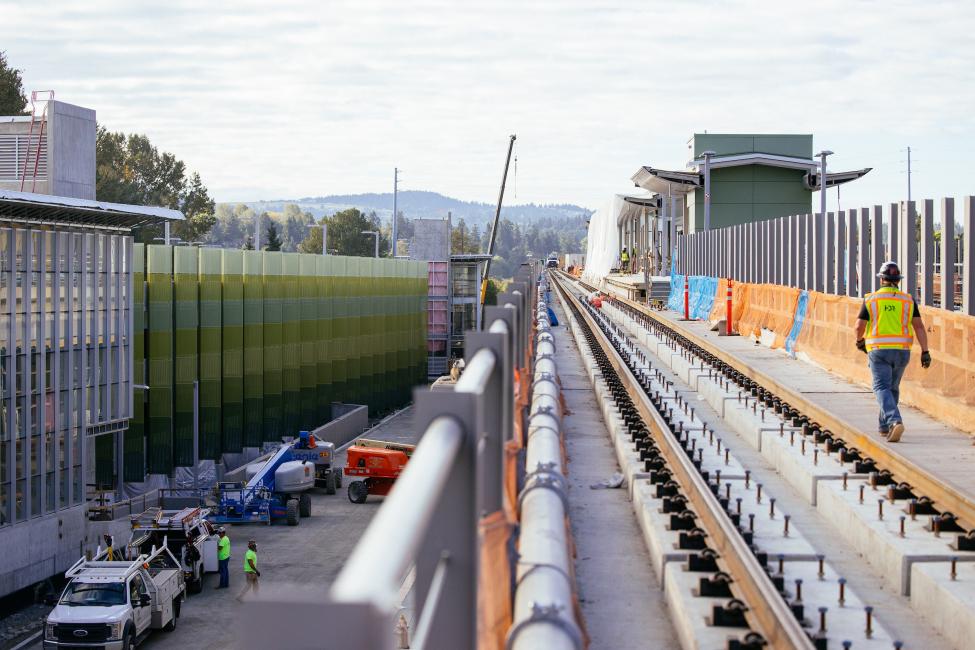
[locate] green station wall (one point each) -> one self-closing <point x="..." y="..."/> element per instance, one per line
<point x="272" y="338"/>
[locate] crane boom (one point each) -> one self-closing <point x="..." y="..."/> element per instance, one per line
<point x="494" y="227"/>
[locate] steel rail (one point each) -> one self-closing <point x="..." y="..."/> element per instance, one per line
<point x="767" y="611"/>
<point x="944" y="495"/>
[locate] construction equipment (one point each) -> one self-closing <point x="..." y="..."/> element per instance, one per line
<point x="378" y="463"/>
<point x="494" y="226"/>
<point x="276" y="489"/>
<point x="308" y="447"/>
<point x="116" y="604"/>
<point x="187" y="534"/>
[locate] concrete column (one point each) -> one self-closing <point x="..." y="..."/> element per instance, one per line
<point x="926" y="284"/>
<point x="863" y="252"/>
<point x="839" y="256"/>
<point x="968" y="255"/>
<point x="948" y="254"/>
<point x="829" y="266"/>
<point x="908" y="237"/>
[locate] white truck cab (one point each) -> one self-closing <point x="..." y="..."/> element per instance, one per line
<point x="116" y="604"/>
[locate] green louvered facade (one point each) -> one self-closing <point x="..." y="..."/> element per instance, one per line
<point x="272" y="340"/>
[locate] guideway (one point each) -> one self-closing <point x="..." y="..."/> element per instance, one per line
<point x="919" y="548"/>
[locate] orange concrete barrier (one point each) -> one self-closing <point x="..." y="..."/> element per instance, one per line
<point x="739" y="299"/>
<point x="769" y="307"/>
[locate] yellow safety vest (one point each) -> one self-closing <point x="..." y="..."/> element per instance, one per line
<point x="890" y="325"/>
<point x="624" y="257"/>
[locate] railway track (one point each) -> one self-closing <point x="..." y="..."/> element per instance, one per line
<point x="763" y="584"/>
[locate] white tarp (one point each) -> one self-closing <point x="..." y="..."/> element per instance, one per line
<point x="603" y="241"/>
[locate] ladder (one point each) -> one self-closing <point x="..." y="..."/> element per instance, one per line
<point x="38" y="121"/>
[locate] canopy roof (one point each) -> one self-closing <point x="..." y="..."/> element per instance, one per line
<point x="44" y="209"/>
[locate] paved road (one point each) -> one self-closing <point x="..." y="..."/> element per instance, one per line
<point x="311" y="553"/>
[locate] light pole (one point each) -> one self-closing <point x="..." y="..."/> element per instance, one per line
<point x="707" y="188"/>
<point x="374" y="233"/>
<point x="392" y="252"/>
<point x="822" y="180"/>
<point x="324" y="226"/>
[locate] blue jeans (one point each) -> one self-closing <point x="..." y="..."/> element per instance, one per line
<point x="887" y="368"/>
<point x="224" y="572"/>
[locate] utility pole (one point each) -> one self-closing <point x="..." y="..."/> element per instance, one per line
<point x="707" y="188"/>
<point x="392" y="252"/>
<point x="822" y="180"/>
<point x="257" y="232"/>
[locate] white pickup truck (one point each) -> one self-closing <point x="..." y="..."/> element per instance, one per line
<point x="116" y="604"/>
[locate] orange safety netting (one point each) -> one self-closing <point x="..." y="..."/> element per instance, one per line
<point x="494" y="597"/>
<point x="769" y="307"/>
<point x="946" y="390"/>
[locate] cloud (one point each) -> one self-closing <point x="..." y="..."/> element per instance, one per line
<point x="305" y="98"/>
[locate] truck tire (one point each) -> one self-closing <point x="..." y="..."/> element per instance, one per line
<point x="292" y="512"/>
<point x="338" y="479"/>
<point x="171" y="625"/>
<point x="304" y="505"/>
<point x="358" y="491"/>
<point x="330" y="483"/>
<point x="129" y="643"/>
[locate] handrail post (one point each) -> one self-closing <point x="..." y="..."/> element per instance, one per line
<point x="452" y="535"/>
<point x="490" y="452"/>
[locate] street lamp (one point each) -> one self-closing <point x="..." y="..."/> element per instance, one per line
<point x="822" y="180"/>
<point x="707" y="188"/>
<point x="375" y="233"/>
<point x="324" y="226"/>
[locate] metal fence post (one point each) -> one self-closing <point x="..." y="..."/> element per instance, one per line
<point x="490" y="444"/>
<point x="893" y="231"/>
<point x="818" y="235"/>
<point x="877" y="246"/>
<point x="908" y="237"/>
<point x="839" y="258"/>
<point x="948" y="253"/>
<point x="828" y="250"/>
<point x="798" y="266"/>
<point x="863" y="252"/>
<point x="968" y="255"/>
<point x="926" y="284"/>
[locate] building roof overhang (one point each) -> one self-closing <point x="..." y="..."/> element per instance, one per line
<point x="470" y="257"/>
<point x="663" y="181"/>
<point x="835" y="178"/>
<point x="766" y="159"/>
<point x="63" y="211"/>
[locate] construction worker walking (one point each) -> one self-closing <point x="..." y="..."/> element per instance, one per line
<point x="250" y="570"/>
<point x="624" y="261"/>
<point x="223" y="557"/>
<point x="885" y="329"/>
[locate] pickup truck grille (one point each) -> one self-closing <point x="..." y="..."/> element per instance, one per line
<point x="82" y="632"/>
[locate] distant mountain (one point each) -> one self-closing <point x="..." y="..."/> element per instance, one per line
<point x="419" y="204"/>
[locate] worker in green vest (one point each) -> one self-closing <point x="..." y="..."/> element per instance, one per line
<point x="888" y="322"/>
<point x="223" y="557"/>
<point x="250" y="569"/>
<point x="624" y="261"/>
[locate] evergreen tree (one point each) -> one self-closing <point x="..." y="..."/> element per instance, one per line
<point x="273" y="240"/>
<point x="12" y="98"/>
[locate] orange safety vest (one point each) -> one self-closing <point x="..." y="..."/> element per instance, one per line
<point x="890" y="325"/>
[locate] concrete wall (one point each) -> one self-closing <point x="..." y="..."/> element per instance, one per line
<point x="40" y="548"/>
<point x="431" y="240"/>
<point x="70" y="136"/>
<point x="71" y="141"/>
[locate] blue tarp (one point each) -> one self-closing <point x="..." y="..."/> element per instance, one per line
<point x="797" y="321"/>
<point x="552" y="320"/>
<point x="701" y="298"/>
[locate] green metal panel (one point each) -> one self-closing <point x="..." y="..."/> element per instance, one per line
<point x="134" y="439"/>
<point x="308" y="357"/>
<point x="186" y="288"/>
<point x="291" y="344"/>
<point x="323" y="392"/>
<point x="253" y="348"/>
<point x="273" y="348"/>
<point x="232" y="345"/>
<point x="784" y="144"/>
<point x="159" y="434"/>
<point x="211" y="334"/>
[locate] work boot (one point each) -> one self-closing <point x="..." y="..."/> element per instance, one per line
<point x="882" y="433"/>
<point x="896" y="432"/>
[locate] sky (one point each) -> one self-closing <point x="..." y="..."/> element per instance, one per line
<point x="286" y="99"/>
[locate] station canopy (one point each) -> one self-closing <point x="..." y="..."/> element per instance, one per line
<point x="68" y="212"/>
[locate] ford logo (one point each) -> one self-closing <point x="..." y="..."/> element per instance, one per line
<point x="80" y="633"/>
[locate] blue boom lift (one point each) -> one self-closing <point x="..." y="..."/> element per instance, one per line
<point x="277" y="491"/>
